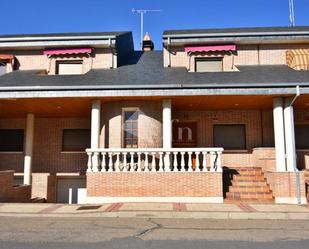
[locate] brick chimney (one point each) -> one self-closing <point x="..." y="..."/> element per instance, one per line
<point x="147" y="43"/>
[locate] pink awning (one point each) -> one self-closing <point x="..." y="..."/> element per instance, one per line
<point x="212" y="48"/>
<point x="67" y="51"/>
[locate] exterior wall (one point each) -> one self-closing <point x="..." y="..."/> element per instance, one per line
<point x="283" y="185"/>
<point x="11" y="193"/>
<point x="205" y="121"/>
<point x="265" y="54"/>
<point x="172" y="184"/>
<point x="149" y="123"/>
<point x="35" y="60"/>
<point x="47" y="152"/>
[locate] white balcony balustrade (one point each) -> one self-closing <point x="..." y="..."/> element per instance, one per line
<point x="155" y="160"/>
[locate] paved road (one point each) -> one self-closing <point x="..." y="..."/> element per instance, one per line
<point x="135" y="233"/>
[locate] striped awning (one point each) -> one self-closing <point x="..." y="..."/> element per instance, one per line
<point x="298" y="59"/>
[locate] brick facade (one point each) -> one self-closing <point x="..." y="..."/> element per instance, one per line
<point x="157" y="184"/>
<point x="11" y="193"/>
<point x="283" y="186"/>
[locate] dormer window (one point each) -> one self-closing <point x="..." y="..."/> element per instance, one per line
<point x="69" y="61"/>
<point x="210" y="64"/>
<point x="69" y="67"/>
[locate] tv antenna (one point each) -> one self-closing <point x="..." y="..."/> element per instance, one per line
<point x="292" y="13"/>
<point x="142" y="13"/>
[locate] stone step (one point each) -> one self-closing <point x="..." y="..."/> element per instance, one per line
<point x="248" y="177"/>
<point x="253" y="189"/>
<point x="248" y="195"/>
<point x="251" y="172"/>
<point x="249" y="183"/>
<point x="259" y="201"/>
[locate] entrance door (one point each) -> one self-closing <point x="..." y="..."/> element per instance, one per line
<point x="185" y="136"/>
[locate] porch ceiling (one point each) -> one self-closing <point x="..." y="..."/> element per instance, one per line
<point x="81" y="107"/>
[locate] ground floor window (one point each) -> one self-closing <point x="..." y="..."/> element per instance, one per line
<point x="130" y="128"/>
<point x="76" y="139"/>
<point x="302" y="136"/>
<point x="11" y="140"/>
<point x="230" y="136"/>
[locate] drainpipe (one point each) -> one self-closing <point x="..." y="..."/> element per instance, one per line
<point x="297" y="172"/>
<point x="169" y="54"/>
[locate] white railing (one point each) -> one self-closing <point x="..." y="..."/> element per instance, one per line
<point x="155" y="160"/>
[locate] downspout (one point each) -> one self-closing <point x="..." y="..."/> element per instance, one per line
<point x="111" y="48"/>
<point x="168" y="50"/>
<point x="297" y="172"/>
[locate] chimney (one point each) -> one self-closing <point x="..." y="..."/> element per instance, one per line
<point x="147" y="43"/>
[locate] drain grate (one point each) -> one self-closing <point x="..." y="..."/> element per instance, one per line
<point x="89" y="207"/>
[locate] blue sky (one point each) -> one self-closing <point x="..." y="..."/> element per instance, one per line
<point x="42" y="16"/>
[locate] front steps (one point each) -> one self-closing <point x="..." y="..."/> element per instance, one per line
<point x="249" y="185"/>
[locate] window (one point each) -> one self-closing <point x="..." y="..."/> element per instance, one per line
<point x="230" y="137"/>
<point x="302" y="136"/>
<point x="130" y="129"/>
<point x="76" y="139"/>
<point x="69" y="67"/>
<point x="209" y="64"/>
<point x="11" y="140"/>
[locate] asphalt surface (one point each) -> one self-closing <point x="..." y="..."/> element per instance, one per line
<point x="136" y="233"/>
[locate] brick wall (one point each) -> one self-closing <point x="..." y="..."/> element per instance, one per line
<point x="265" y="54"/>
<point x="47" y="152"/>
<point x="11" y="193"/>
<point x="149" y="184"/>
<point x="44" y="186"/>
<point x="283" y="185"/>
<point x="34" y="59"/>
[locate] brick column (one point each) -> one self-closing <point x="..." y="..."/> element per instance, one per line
<point x="28" y="149"/>
<point x="279" y="134"/>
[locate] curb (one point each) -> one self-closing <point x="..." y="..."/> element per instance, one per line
<point x="174" y="215"/>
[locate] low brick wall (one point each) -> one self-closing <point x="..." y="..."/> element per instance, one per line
<point x="44" y="186"/>
<point x="283" y="185"/>
<point x="205" y="186"/>
<point x="11" y="193"/>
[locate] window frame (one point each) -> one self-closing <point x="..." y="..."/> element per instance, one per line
<point x="217" y="58"/>
<point x="63" y="61"/>
<point x="63" y="150"/>
<point x="232" y="124"/>
<point x="23" y="141"/>
<point x="124" y="110"/>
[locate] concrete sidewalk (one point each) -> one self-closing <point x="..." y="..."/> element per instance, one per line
<point x="159" y="210"/>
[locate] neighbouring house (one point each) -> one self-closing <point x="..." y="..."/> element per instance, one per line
<point x="218" y="115"/>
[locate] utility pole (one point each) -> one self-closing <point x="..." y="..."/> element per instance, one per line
<point x="292" y="13"/>
<point x="141" y="13"/>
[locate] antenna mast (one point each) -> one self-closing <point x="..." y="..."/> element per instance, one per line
<point x="141" y="13"/>
<point x="292" y="13"/>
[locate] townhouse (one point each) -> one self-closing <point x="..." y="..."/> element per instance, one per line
<point x="217" y="115"/>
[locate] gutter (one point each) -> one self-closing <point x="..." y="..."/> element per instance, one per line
<point x="153" y="86"/>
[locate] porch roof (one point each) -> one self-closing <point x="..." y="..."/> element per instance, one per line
<point x="145" y="71"/>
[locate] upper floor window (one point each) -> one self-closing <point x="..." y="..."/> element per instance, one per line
<point x="130" y="128"/>
<point x="230" y="136"/>
<point x="69" y="67"/>
<point x="209" y="64"/>
<point x="11" y="140"/>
